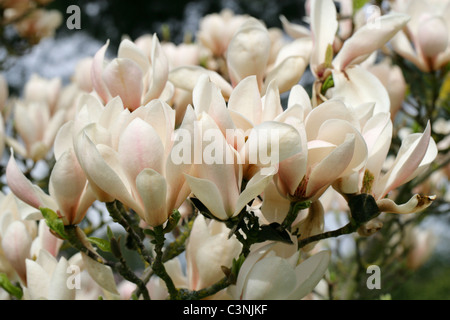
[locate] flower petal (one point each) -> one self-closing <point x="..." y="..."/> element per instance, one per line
<point x="152" y="189"/>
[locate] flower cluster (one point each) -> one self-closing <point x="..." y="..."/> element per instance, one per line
<point x="216" y="145"/>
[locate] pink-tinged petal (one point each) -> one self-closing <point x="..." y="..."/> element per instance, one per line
<point x="298" y="95"/>
<point x="378" y="136"/>
<point x="16" y="244"/>
<point x="63" y="139"/>
<point x="357" y="86"/>
<point x="97" y="73"/>
<point x="324" y="26"/>
<point x="415" y="204"/>
<point x="271" y="278"/>
<point x="161" y="117"/>
<point x="248" y="52"/>
<point x="217" y="161"/>
<point x="331" y="109"/>
<point x="208" y="193"/>
<point x="368" y="39"/>
<point x="140" y="147"/>
<point x="403" y="47"/>
<point x="24" y="189"/>
<point x="159" y="72"/>
<point x="309" y="273"/>
<point x="330" y="168"/>
<point x="123" y="78"/>
<point x="294" y="30"/>
<point x="67" y="195"/>
<point x="152" y="189"/>
<point x="129" y="50"/>
<point x="57" y="120"/>
<point x="254" y="188"/>
<point x="207" y="98"/>
<point x="333" y="130"/>
<point x="48" y="241"/>
<point x="186" y="77"/>
<point x="246" y="100"/>
<point x="287" y="73"/>
<point x="271" y="102"/>
<point x="271" y="142"/>
<point x="433" y="36"/>
<point x="274" y="206"/>
<point x="104" y="179"/>
<point x="412" y="152"/>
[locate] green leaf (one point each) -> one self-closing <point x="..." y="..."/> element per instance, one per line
<point x="9" y="287"/>
<point x="103" y="244"/>
<point x="54" y="222"/>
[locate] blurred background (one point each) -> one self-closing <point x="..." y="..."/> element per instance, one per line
<point x="178" y="21"/>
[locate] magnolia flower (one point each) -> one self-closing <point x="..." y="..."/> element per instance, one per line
<point x="47" y="278"/>
<point x="16" y="244"/>
<point x="268" y="273"/>
<point x="39" y="24"/>
<point x="249" y="53"/>
<point x="37" y="128"/>
<point x="70" y="200"/>
<point x="335" y="150"/>
<point x="416" y="153"/>
<point x="217" y="179"/>
<point x="391" y="77"/>
<point x="351" y="82"/>
<point x="217" y="29"/>
<point x="425" y="40"/>
<point x="137" y="75"/>
<point x="139" y="172"/>
<point x="208" y="249"/>
<point x="47" y="91"/>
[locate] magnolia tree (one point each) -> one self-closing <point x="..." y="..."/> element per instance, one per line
<point x="205" y="170"/>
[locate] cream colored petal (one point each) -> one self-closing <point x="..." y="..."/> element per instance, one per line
<point x="248" y="52"/>
<point x="324" y="26"/>
<point x="415" y="204"/>
<point x="140" y="147"/>
<point x="123" y="78"/>
<point x="358" y="86"/>
<point x="274" y="206"/>
<point x="271" y="278"/>
<point x="97" y="73"/>
<point x="38" y="281"/>
<point x="159" y="71"/>
<point x="101" y="274"/>
<point x="246" y="100"/>
<point x="16" y="244"/>
<point x="368" y="39"/>
<point x="186" y="77"/>
<point x="309" y="273"/>
<point x="24" y="189"/>
<point x="67" y="195"/>
<point x="58" y="289"/>
<point x="208" y="193"/>
<point x="152" y="189"/>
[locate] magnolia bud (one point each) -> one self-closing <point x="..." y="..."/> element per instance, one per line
<point x="433" y="36"/>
